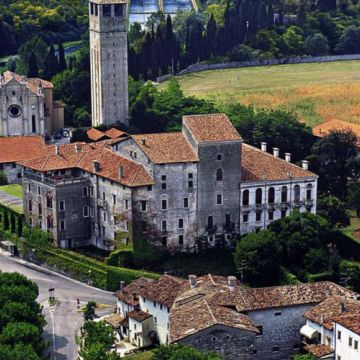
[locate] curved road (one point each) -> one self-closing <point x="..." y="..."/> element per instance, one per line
<point x="63" y="321"/>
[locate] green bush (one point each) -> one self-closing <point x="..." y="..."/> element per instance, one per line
<point x="124" y="258"/>
<point x="324" y="276"/>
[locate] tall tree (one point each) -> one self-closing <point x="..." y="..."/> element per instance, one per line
<point x="211" y="29"/>
<point x="62" y="60"/>
<point x="32" y="67"/>
<point x="51" y="64"/>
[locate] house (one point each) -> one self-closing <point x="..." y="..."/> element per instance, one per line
<point x="214" y="313"/>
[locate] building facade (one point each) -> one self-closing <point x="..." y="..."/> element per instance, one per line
<point x="27" y="107"/>
<point x="203" y="186"/>
<point x="109" y="61"/>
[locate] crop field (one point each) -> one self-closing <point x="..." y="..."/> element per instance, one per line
<point x="316" y="92"/>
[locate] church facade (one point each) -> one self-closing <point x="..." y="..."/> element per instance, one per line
<point x="27" y="107"/>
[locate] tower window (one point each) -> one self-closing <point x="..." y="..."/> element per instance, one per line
<point x="118" y="9"/>
<point x="91" y="8"/>
<point x="219" y="175"/>
<point x="106" y="10"/>
<point x="96" y="9"/>
<point x="33" y="123"/>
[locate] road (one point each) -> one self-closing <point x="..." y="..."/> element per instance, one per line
<point x="63" y="321"/>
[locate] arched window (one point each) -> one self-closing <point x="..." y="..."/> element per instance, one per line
<point x="271" y="195"/>
<point x="309" y="192"/>
<point x="258" y="196"/>
<point x="219" y="175"/>
<point x="33" y="123"/>
<point x="284" y="194"/>
<point x="210" y="222"/>
<point x="297" y="193"/>
<point x="245" y="199"/>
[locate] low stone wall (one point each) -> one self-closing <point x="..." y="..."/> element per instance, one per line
<point x="294" y="60"/>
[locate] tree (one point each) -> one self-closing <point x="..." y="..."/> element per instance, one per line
<point x="257" y="257"/>
<point x="97" y="339"/>
<point x="241" y="53"/>
<point x="316" y="45"/>
<point x="303" y="357"/>
<point x="62" y="61"/>
<point x="353" y="196"/>
<point x="89" y="312"/>
<point x="332" y="159"/>
<point x="333" y="210"/>
<point x="294" y="41"/>
<point x="32" y="68"/>
<point x="51" y="64"/>
<point x="182" y="352"/>
<point x="349" y="41"/>
<point x="301" y="13"/>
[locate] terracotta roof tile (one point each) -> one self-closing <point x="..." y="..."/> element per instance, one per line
<point x="335" y="125"/>
<point x="258" y="165"/>
<point x="130" y="294"/>
<point x="115" y="133"/>
<point x="351" y="322"/>
<point x="139" y="315"/>
<point x="319" y="350"/>
<point x="211" y="128"/>
<point x="96" y="135"/>
<point x="166" y="147"/>
<point x="33" y="84"/>
<point x="18" y="148"/>
<point x="326" y="311"/>
<point x="114" y="320"/>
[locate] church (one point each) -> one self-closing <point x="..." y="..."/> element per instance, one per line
<point x="27" y="106"/>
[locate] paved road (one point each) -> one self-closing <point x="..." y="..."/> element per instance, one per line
<point x="64" y="320"/>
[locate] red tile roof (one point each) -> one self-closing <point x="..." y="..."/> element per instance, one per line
<point x="32" y="84"/>
<point x="319" y="350"/>
<point x="350" y="322"/>
<point x="130" y="294"/>
<point x="139" y="315"/>
<point x="115" y="133"/>
<point x="18" y="148"/>
<point x="335" y="125"/>
<point x="259" y="165"/>
<point x="211" y="128"/>
<point x="166" y="147"/>
<point x="96" y="135"/>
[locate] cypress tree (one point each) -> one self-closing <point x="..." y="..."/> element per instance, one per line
<point x="33" y="70"/>
<point x="62" y="60"/>
<point x="51" y="64"/>
<point x="263" y="15"/>
<point x="270" y="13"/>
<point x="301" y="14"/>
<point x="146" y="55"/>
<point x="170" y="43"/>
<point x="211" y="29"/>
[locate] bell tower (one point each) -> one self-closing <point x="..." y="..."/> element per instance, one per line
<point x="108" y="61"/>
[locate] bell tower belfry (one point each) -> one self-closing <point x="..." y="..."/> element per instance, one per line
<point x="108" y="61"/>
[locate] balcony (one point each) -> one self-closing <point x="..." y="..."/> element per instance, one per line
<point x="284" y="205"/>
<point x="54" y="180"/>
<point x="102" y="203"/>
<point x="298" y="204"/>
<point x="272" y="206"/>
<point x="309" y="202"/>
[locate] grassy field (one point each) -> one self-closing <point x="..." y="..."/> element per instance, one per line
<point x="14" y="189"/>
<point x="316" y="92"/>
<point x="147" y="355"/>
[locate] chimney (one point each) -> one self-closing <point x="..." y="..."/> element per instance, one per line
<point x="341" y="307"/>
<point x="143" y="141"/>
<point x="264" y="146"/>
<point x="231" y="282"/>
<point x="276" y="152"/>
<point x="77" y="148"/>
<point x="193" y="281"/>
<point x="121" y="171"/>
<point x="96" y="166"/>
<point x="57" y="149"/>
<point x="305" y="164"/>
<point x="288" y="157"/>
<point x="122" y="285"/>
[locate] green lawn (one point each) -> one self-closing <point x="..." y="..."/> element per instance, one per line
<point x="14" y="189"/>
<point x="315" y="92"/>
<point x="147" y="355"/>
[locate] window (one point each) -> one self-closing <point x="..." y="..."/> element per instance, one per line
<point x="186" y="202"/>
<point x="49" y="222"/>
<point x="96" y="9"/>
<point x="297" y="193"/>
<point x="155" y="319"/>
<point x="29" y="187"/>
<point x="49" y="202"/>
<point x="210" y="222"/>
<point x="149" y="187"/>
<point x="143" y="205"/>
<point x="245" y="217"/>
<point x="181" y="240"/>
<point x="219" y="199"/>
<point x="245" y="199"/>
<point x="40" y="208"/>
<point x="103" y="196"/>
<point x="62" y="205"/>
<point x="134" y="326"/>
<point x="163" y="186"/>
<point x="227" y="220"/>
<point x="219" y="175"/>
<point x="308" y="192"/>
<point x="114" y="199"/>
<point x="339" y="335"/>
<point x="258" y="196"/>
<point x="85" y="192"/>
<point x="86" y="211"/>
<point x="91" y="191"/>
<point x="163" y="225"/>
<point x="163" y="177"/>
<point x="275" y="349"/>
<point x="271" y="215"/>
<point x="271" y="195"/>
<point x="338" y="357"/>
<point x="260" y="328"/>
<point x="163" y="204"/>
<point x="118" y="8"/>
<point x="181" y="223"/>
<point x="39" y="190"/>
<point x="30" y="206"/>
<point x="107" y="10"/>
<point x="62" y="225"/>
<point x="126" y="204"/>
<point x="284" y="194"/>
<point x="219" y="157"/>
<point x="258" y="215"/>
<point x="278" y="313"/>
<point x="164" y="241"/>
<point x="91" y="8"/>
<point x="350" y="341"/>
<point x="33" y="123"/>
<point x="356" y="344"/>
<point x="190" y="181"/>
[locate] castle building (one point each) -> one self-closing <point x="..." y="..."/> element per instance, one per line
<point x="27" y="106"/>
<point x="109" y="61"/>
<point x="218" y="314"/>
<point x="198" y="188"/>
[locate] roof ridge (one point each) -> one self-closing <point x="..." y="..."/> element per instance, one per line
<point x="135" y="175"/>
<point x="212" y="314"/>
